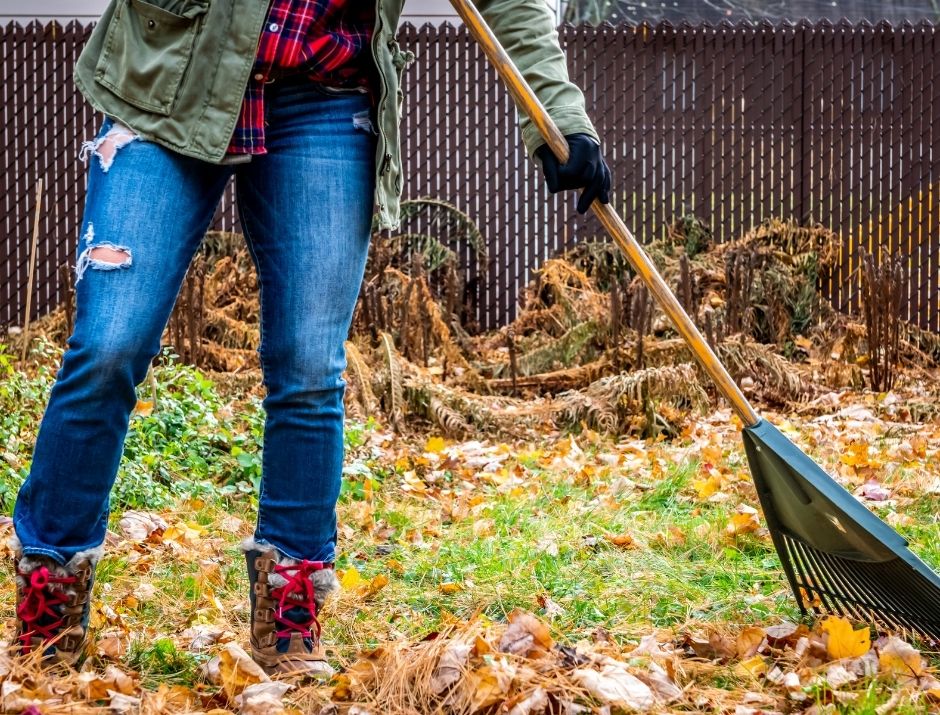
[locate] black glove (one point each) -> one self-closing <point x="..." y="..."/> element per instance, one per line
<point x="585" y="169"/>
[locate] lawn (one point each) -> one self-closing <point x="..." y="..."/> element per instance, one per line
<point x="556" y="571"/>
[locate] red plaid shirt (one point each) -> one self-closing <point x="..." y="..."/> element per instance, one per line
<point x="327" y="39"/>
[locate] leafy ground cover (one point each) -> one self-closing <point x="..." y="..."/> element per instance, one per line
<point x="559" y="572"/>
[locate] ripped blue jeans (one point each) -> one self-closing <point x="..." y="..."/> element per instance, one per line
<point x="306" y="209"/>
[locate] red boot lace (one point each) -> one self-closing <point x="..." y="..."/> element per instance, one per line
<point x="297" y="592"/>
<point x="38" y="602"/>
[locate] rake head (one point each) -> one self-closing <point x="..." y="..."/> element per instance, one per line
<point x="838" y="557"/>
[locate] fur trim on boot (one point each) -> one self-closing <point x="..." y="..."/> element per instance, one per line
<point x="53" y="602"/>
<point x="286" y="597"/>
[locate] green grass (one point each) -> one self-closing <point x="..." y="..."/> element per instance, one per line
<point x="196" y="460"/>
<point x="596" y="583"/>
<point x="161" y="661"/>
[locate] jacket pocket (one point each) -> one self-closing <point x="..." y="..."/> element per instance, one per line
<point x="147" y="49"/>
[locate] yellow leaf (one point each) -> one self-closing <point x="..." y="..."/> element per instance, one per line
<point x="450" y="588"/>
<point x="489" y="685"/>
<point x="143" y="408"/>
<point x="844" y="641"/>
<point x="435" y="445"/>
<point x="342" y="689"/>
<point x="351" y="579"/>
<point x="707" y="487"/>
<point x="743" y="522"/>
<point x="856" y="454"/>
<point x="901" y="658"/>
<point x="186" y="533"/>
<point x="754" y="666"/>
<point x="749" y="641"/>
<point x="238" y="670"/>
<point x="376" y="584"/>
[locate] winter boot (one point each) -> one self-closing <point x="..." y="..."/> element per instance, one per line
<point x="286" y="595"/>
<point x="53" y="603"/>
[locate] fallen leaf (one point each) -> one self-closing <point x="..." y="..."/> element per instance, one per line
<point x="211" y="671"/>
<point x="435" y="445"/>
<point x="900" y="658"/>
<point x="450" y="588"/>
<point x="706" y="488"/>
<point x="650" y="647"/>
<point x="121" y="703"/>
<point x="624" y="541"/>
<point x="615" y="686"/>
<point x="351" y="580"/>
<point x="186" y="533"/>
<point x="112" y="645"/>
<point x="201" y="637"/>
<point x="376" y="584"/>
<point x="844" y="641"/>
<point x="663" y="687"/>
<point x="490" y="684"/>
<point x="139" y="525"/>
<point x="749" y="641"/>
<point x="754" y="666"/>
<point x="745" y="521"/>
<point x="550" y="608"/>
<point x="263" y="698"/>
<point x="526" y="636"/>
<point x="145" y="591"/>
<point x="450" y="668"/>
<point x="782" y="634"/>
<point x="535" y="702"/>
<point x="237" y="670"/>
<point x="837" y="675"/>
<point x="874" y="491"/>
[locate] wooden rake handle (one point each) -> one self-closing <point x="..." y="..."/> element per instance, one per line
<point x="527" y="102"/>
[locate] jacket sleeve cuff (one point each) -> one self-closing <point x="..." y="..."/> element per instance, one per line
<point x="570" y="120"/>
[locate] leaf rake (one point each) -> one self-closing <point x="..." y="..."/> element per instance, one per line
<point x="838" y="557"/>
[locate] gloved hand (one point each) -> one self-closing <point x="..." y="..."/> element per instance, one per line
<point x="585" y="169"/>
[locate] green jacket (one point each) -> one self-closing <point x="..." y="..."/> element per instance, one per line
<point x="175" y="72"/>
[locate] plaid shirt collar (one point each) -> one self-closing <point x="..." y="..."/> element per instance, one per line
<point x="327" y="39"/>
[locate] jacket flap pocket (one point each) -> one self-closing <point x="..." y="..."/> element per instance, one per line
<point x="147" y="50"/>
<point x="181" y="15"/>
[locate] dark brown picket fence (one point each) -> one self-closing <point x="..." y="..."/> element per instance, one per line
<point x="831" y="123"/>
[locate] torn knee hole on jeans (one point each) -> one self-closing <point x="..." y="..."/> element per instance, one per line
<point x="106" y="147"/>
<point x="104" y="256"/>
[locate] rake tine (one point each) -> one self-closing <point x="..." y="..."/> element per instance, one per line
<point x="889" y="612"/>
<point x="780" y="544"/>
<point x="809" y="583"/>
<point x="910" y="585"/>
<point x="790" y="566"/>
<point x="864" y="611"/>
<point x="893" y="616"/>
<point x="822" y="588"/>
<point x="932" y="630"/>
<point x="874" y="580"/>
<point x="852" y="600"/>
